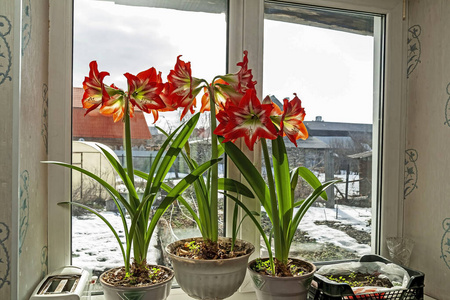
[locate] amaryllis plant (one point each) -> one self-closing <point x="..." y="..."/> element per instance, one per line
<point x="150" y="94"/>
<point x="222" y="89"/>
<point x="233" y="102"/>
<point x="257" y="121"/>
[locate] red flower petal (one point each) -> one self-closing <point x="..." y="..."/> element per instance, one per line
<point x="114" y="103"/>
<point x="185" y="86"/>
<point x="292" y="120"/>
<point x="250" y="120"/>
<point x="92" y="85"/>
<point x="144" y="90"/>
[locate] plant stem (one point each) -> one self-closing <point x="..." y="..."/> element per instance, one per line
<point x="127" y="141"/>
<point x="128" y="158"/>
<point x="273" y="202"/>
<point x="138" y="255"/>
<point x="214" y="169"/>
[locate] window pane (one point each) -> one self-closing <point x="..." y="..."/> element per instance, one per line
<point x="327" y="58"/>
<point x="132" y="38"/>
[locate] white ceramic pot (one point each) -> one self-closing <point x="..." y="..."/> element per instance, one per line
<point x="209" y="279"/>
<point x="281" y="288"/>
<point x="158" y="291"/>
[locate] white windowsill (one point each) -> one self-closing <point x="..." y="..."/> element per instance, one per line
<point x="178" y="294"/>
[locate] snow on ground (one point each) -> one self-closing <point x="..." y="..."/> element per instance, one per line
<point x="358" y="217"/>
<point x="95" y="248"/>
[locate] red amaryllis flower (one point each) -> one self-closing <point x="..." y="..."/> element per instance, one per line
<point x="221" y="99"/>
<point x="169" y="100"/>
<point x="185" y="86"/>
<point x="250" y="120"/>
<point x="276" y="111"/>
<point x="242" y="80"/>
<point x="224" y="119"/>
<point x="114" y="102"/>
<point x="230" y="87"/>
<point x="144" y="90"/>
<point x="292" y="120"/>
<point x="92" y="85"/>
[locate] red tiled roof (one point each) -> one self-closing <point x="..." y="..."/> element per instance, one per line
<point x="96" y="125"/>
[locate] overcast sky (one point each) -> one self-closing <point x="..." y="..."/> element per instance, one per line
<point x="331" y="72"/>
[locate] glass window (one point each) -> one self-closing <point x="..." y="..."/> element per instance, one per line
<point x="131" y="38"/>
<point x="328" y="58"/>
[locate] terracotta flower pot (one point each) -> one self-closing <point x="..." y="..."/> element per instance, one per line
<point x="209" y="279"/>
<point x="281" y="288"/>
<point x="158" y="291"/>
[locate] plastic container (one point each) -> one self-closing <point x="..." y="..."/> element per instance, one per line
<point x="325" y="289"/>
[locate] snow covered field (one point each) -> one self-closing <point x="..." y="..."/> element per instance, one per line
<point x="95" y="248"/>
<point x="356" y="216"/>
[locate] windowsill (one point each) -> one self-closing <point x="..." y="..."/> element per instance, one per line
<point x="178" y="294"/>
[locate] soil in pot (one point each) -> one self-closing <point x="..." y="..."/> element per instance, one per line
<point x="147" y="276"/>
<point x="204" y="273"/>
<point x="294" y="268"/>
<point x="358" y="279"/>
<point x="199" y="249"/>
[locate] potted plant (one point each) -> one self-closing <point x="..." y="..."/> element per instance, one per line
<point x="210" y="267"/>
<point x="372" y="277"/>
<point x="146" y="91"/>
<point x="278" y="276"/>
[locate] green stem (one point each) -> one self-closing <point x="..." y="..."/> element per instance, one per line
<point x="127" y="141"/>
<point x="138" y="255"/>
<point x="214" y="169"/>
<point x="273" y="202"/>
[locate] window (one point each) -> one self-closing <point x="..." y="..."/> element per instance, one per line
<point x="327" y="57"/>
<point x="135" y="38"/>
<point x="245" y="32"/>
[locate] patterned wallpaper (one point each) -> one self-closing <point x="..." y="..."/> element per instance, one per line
<point x="33" y="147"/>
<point x="426" y="197"/>
<point x="6" y="92"/>
<point x="32" y="176"/>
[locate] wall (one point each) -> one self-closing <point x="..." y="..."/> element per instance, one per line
<point x="426" y="201"/>
<point x="23" y="221"/>
<point x="6" y="144"/>
<point x="23" y="88"/>
<point x="33" y="147"/>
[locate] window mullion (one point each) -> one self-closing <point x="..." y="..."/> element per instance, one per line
<point x="59" y="132"/>
<point x="245" y="34"/>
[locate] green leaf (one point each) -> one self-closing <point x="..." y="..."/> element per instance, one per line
<point x="311" y="179"/>
<point x="176" y="191"/>
<point x="127" y="262"/>
<point x="156" y="161"/>
<point x="202" y="194"/>
<point x="183" y="201"/>
<point x="236" y="226"/>
<point x="250" y="173"/>
<point x="304" y="206"/>
<point x="112" y="191"/>
<point x="231" y="185"/>
<point x="283" y="188"/>
<point x="135" y="228"/>
<point x="258" y="226"/>
<point x="123" y="175"/>
<point x="175" y="148"/>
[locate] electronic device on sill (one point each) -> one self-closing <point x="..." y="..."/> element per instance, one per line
<point x="66" y="283"/>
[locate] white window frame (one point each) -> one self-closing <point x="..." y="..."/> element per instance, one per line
<point x="246" y="19"/>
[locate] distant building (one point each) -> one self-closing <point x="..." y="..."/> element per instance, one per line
<point x="341" y="135"/>
<point x="99" y="128"/>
